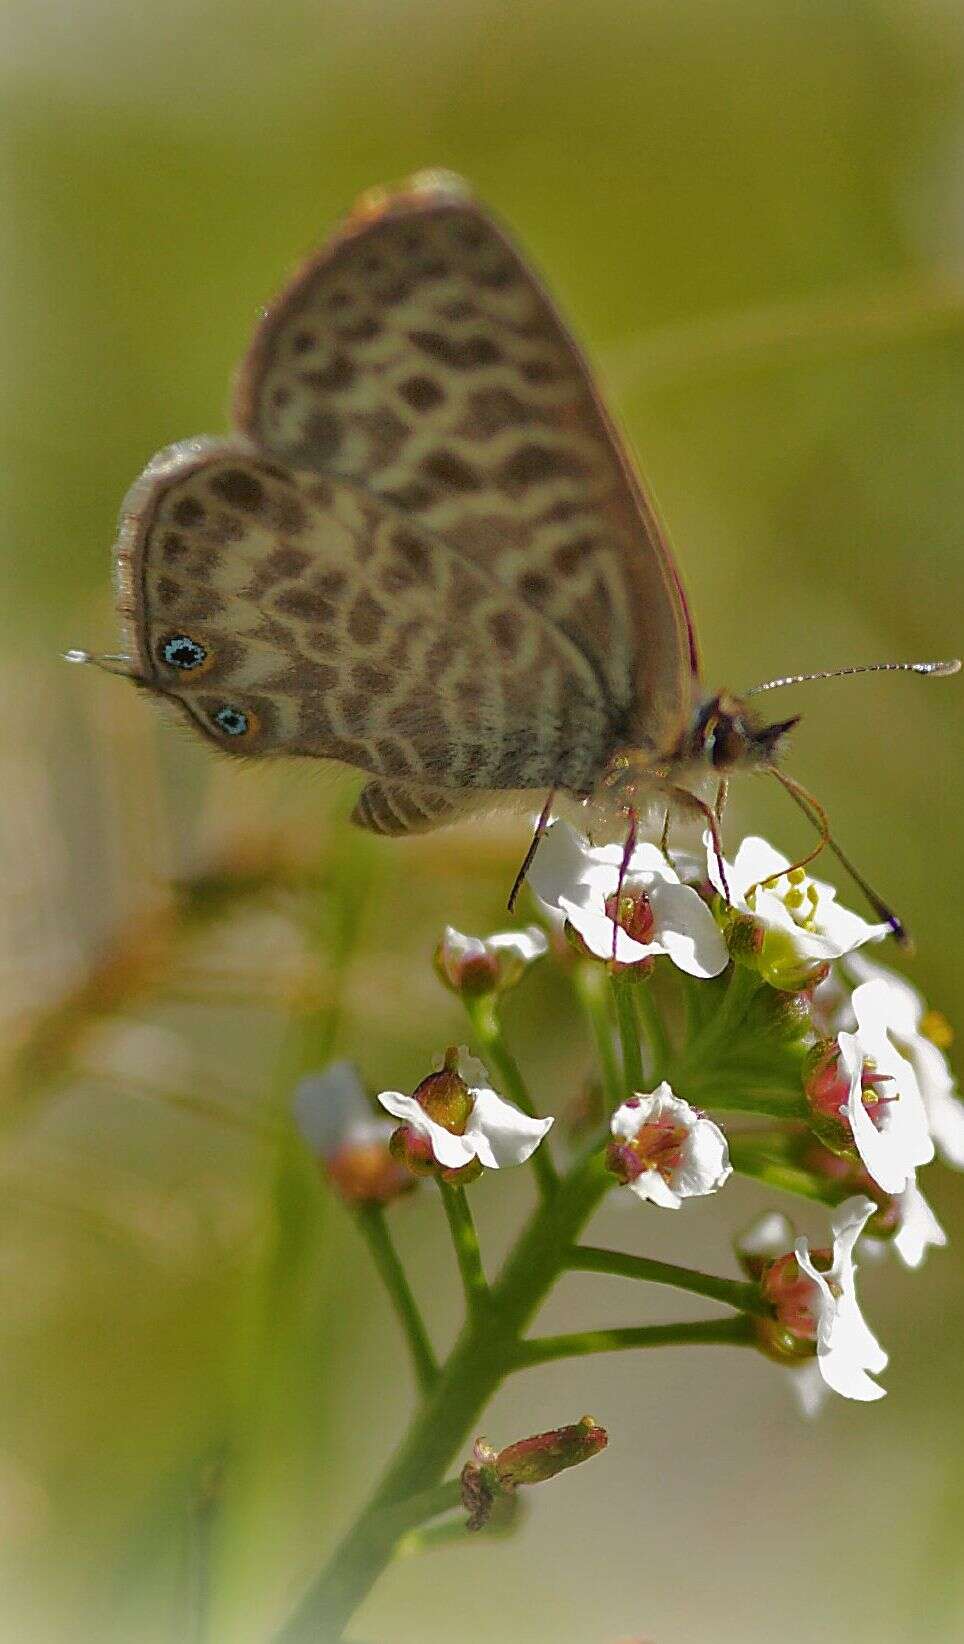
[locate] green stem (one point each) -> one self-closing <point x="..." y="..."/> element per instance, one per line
<point x="371" y="1220"/>
<point x="740" y="1098"/>
<point x="484" y="1016"/>
<point x="398" y="1520"/>
<point x="736" y="1293"/>
<point x="748" y="1161"/>
<point x="467" y="1252"/>
<point x="624" y="993"/>
<point x="718" y="1332"/>
<point x="655" y="1030"/>
<point x="478" y="1363"/>
<point x="742" y="983"/>
<point x="590" y="982"/>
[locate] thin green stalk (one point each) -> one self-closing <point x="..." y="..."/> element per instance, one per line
<point x="654" y="1029"/>
<point x="466" y="1242"/>
<point x="740" y="1098"/>
<point x="624" y="993"/>
<point x="478" y="1363"/>
<point x="484" y="1016"/>
<point x="735" y="1293"/>
<point x="407" y="1515"/>
<point x="717" y="1332"/>
<point x="742" y="983"/>
<point x="371" y="1220"/>
<point x="748" y="1161"/>
<point x="591" y="984"/>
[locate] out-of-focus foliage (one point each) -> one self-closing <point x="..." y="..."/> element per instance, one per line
<point x="753" y="214"/>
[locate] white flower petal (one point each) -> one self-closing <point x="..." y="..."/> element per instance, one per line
<point x="905" y="1012"/>
<point x="810" y="1388"/>
<point x="651" y="1188"/>
<point x="525" y="945"/>
<point x="501" y="1134"/>
<point x="686" y="930"/>
<point x="704" y="1163"/>
<point x="577" y="879"/>
<point x="331" y="1108"/>
<point x="448" y="1150"/>
<point x="596" y="929"/>
<point x="846" y="1347"/>
<point x="771" y="1235"/>
<point x="830" y="930"/>
<point x="919" y="1228"/>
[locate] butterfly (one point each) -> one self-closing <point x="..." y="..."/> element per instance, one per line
<point x="424" y="550"/>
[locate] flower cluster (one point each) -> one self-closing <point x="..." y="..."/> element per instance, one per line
<point x="733" y="988"/>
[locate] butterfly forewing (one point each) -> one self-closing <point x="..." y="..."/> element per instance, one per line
<point x="289" y="611"/>
<point x="418" y="355"/>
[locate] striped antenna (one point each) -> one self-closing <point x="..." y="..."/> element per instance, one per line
<point x="931" y="670"/>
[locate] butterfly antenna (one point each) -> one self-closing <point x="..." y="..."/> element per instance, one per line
<point x="529" y="857"/>
<point x="815" y="813"/>
<point x="930" y="670"/>
<point x="110" y="664"/>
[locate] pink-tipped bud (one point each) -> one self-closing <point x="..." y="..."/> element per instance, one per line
<point x="533" y="1460"/>
<point x="791" y="1333"/>
<point x="633" y="912"/>
<point x="447" y="1100"/>
<point x="367" y="1173"/>
<point x="473" y="967"/>
<point x="826" y="1083"/>
<point x="445" y="1096"/>
<point x="492" y="1475"/>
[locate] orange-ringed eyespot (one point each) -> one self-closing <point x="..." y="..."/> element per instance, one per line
<point x="232" y="721"/>
<point x="181" y="651"/>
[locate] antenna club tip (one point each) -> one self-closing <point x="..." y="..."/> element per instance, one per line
<point x="941" y="670"/>
<point x="77" y="656"/>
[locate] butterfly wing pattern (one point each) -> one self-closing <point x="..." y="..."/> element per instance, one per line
<point x="425" y="553"/>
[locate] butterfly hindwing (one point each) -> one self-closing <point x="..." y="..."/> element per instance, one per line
<point x="417" y="354"/>
<point x="286" y="611"/>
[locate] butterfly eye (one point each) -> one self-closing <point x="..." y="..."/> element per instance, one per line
<point x="233" y="721"/>
<point x="183" y="652"/>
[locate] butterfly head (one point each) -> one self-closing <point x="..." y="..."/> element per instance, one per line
<point x="727" y="736"/>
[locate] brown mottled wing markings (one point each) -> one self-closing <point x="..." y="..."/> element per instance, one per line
<point x="342" y="628"/>
<point x="417" y="354"/>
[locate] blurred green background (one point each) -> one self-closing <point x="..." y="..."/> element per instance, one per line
<point x="753" y="211"/>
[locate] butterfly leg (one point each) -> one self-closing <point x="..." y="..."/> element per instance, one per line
<point x="691" y="802"/>
<point x="664" y="836"/>
<point x="629" y="845"/>
<point x="529" y="857"/>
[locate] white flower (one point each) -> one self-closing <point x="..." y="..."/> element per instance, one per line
<point x="804" y="926"/>
<point x="846" y="1347"/>
<point x="331" y="1111"/>
<point x="658" y="915"/>
<point x="906" y="1015"/>
<point x="473" y="965"/>
<point x="890" y="1133"/>
<point x="665" y="1151"/>
<point x="918" y="1228"/>
<point x="488" y="1128"/>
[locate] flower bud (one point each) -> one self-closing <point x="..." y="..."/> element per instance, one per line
<point x="827" y="1086"/>
<point x="780" y="1015"/>
<point x="494" y="1474"/>
<point x="472" y="967"/>
<point x="453" y="1130"/>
